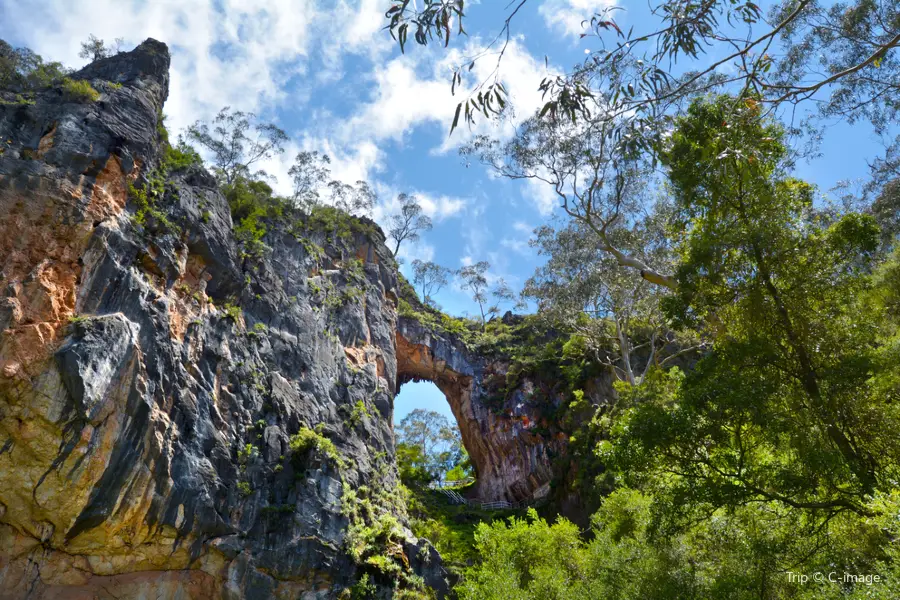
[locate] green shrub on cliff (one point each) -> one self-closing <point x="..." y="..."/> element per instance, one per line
<point x="306" y="441"/>
<point x="181" y="156"/>
<point x="79" y="90"/>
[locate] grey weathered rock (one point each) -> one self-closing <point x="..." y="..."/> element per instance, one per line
<point x="151" y="377"/>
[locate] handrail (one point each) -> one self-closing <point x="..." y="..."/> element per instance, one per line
<point x="437" y="485"/>
<point x="454" y="497"/>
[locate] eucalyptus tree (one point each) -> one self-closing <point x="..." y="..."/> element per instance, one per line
<point x="408" y="224"/>
<point x="309" y="175"/>
<point x="489" y="298"/>
<point x="886" y="210"/>
<point x="358" y="198"/>
<point x="473" y="279"/>
<point x="432" y="277"/>
<point x="616" y="311"/>
<point x="237" y="141"/>
<point x="596" y="186"/>
<point x="22" y="70"/>
<point x="843" y="54"/>
<point x="438" y="442"/>
<point x="828" y="60"/>
<point x="95" y="48"/>
<point x="787" y="407"/>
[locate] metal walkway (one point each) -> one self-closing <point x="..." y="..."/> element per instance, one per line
<point x="455" y="497"/>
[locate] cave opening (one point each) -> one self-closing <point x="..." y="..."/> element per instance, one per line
<point x="430" y="445"/>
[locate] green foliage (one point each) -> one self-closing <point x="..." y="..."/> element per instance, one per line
<point x="233" y="312"/>
<point x="79" y="90"/>
<point x="439" y="446"/>
<point x="450" y="528"/>
<point x="252" y="203"/>
<point x="148" y="196"/>
<point x="786" y="396"/>
<point x="246" y="455"/>
<point x="527" y="559"/>
<point x="337" y="224"/>
<point x="467" y="331"/>
<point x="76" y="319"/>
<point x="457" y="473"/>
<point x="19" y="100"/>
<point x="24" y="72"/>
<point x="255" y="209"/>
<point x="778" y="451"/>
<point x="413" y="465"/>
<point x="732" y="554"/>
<point x="362" y="589"/>
<point x="181" y="157"/>
<point x="306" y="442"/>
<point x="258" y="329"/>
<point x="783" y="432"/>
<point x="358" y="413"/>
<point x="375" y="535"/>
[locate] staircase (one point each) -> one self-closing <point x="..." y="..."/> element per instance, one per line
<point x="454" y="497"/>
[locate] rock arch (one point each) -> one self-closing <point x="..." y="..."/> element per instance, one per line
<point x="512" y="462"/>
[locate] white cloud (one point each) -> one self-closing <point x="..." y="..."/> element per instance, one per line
<point x="418" y="250"/>
<point x="414" y="90"/>
<point x="349" y="163"/>
<point x="360" y="33"/>
<point x="523" y="227"/>
<point x="542" y="195"/>
<point x="567" y="16"/>
<point x="518" y="246"/>
<point x="439" y="208"/>
<point x="519" y="243"/>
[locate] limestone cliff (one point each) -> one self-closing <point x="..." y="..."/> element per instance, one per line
<point x="180" y="418"/>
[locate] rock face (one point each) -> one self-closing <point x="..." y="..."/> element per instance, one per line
<point x="512" y="462"/>
<point x="152" y="376"/>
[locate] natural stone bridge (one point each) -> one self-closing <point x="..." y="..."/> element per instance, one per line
<point x="512" y="463"/>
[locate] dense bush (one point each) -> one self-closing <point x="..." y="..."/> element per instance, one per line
<point x="79" y="90"/>
<point x="21" y="70"/>
<point x="308" y="441"/>
<point x="413" y="465"/>
<point x="727" y="555"/>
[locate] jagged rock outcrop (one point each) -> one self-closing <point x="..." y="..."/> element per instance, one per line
<point x="153" y="376"/>
<point x="512" y="462"/>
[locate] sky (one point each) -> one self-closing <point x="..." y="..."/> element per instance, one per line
<point x="329" y="74"/>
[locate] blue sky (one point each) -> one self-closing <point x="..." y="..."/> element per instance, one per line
<point x="329" y="75"/>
